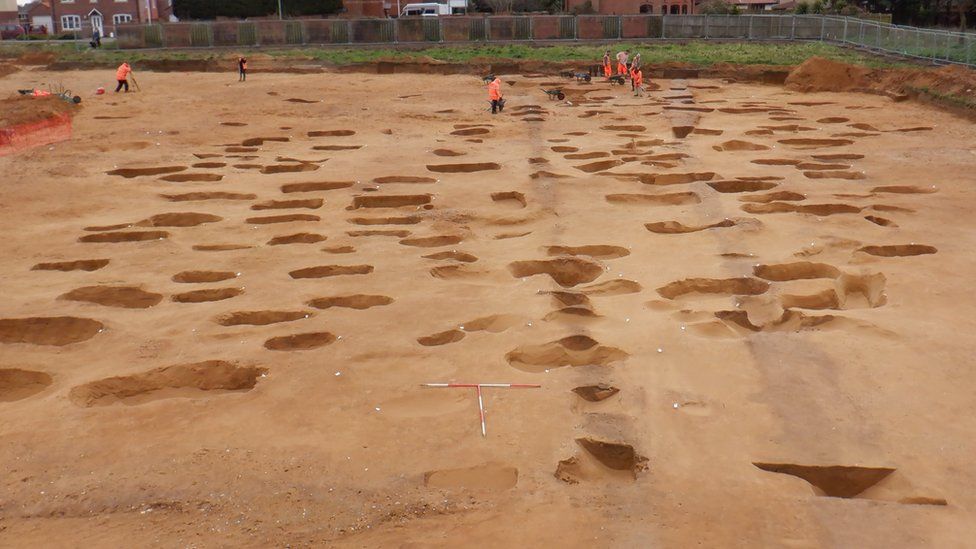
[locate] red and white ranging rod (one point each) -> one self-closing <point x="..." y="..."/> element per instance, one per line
<point x="479" y="387"/>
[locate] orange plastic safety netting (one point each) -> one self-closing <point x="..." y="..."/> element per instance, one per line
<point x="21" y="137"/>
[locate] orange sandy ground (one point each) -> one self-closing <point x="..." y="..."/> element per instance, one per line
<point x="869" y="365"/>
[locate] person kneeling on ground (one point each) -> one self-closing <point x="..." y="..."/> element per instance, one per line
<point x="242" y="68"/>
<point x="495" y="94"/>
<point x="122" y="76"/>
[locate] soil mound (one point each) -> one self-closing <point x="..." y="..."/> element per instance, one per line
<point x="24" y="110"/>
<point x="7" y="69"/>
<point x="819" y="74"/>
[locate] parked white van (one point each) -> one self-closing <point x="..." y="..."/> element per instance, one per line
<point x="435" y="9"/>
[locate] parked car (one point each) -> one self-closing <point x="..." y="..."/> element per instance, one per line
<point x="435" y="9"/>
<point x="9" y="32"/>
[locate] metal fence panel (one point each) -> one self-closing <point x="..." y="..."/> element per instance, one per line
<point x="727" y="26"/>
<point x="553" y="27"/>
<point x="936" y="45"/>
<point x="410" y="29"/>
<point x="596" y="27"/>
<point x="642" y="26"/>
<point x="373" y="31"/>
<point x="504" y="28"/>
<point x="463" y="29"/>
<point x="685" y="26"/>
<point x="326" y="31"/>
<point x="234" y="33"/>
<point x="176" y="36"/>
<point x="806" y="27"/>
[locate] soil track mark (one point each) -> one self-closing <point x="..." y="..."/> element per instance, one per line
<point x="17" y="384"/>
<point x="87" y="265"/>
<point x="126" y="297"/>
<point x="357" y="301"/>
<point x="577" y="350"/>
<point x="203" y="296"/>
<point x="300" y="342"/>
<point x="331" y="270"/>
<point x="184" y="380"/>
<point x="565" y="271"/>
<point x="56" y="330"/>
<point x="200" y="277"/>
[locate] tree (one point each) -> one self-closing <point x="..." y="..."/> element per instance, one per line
<point x="963" y="7"/>
<point x="500" y="6"/>
<point x="586" y="8"/>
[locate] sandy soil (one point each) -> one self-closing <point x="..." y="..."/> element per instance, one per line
<point x="229" y="351"/>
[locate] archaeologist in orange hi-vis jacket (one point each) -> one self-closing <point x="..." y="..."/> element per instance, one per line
<point x="622" y="62"/>
<point x="495" y="94"/>
<point x="637" y="77"/>
<point x="122" y="75"/>
<point x="607" y="67"/>
<point x="242" y="69"/>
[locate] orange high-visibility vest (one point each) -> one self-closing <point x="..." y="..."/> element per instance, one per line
<point x="123" y="72"/>
<point x="495" y="89"/>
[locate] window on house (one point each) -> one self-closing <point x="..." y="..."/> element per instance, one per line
<point x="120" y="18"/>
<point x="71" y="22"/>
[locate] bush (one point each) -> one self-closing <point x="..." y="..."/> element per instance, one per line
<point x="802" y="8"/>
<point x="586" y="8"/>
<point x="817" y="7"/>
<point x="718" y="7"/>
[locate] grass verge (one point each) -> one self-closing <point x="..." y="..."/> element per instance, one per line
<point x="698" y="53"/>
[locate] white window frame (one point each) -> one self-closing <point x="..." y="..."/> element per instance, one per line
<point x="121" y="18"/>
<point x="74" y="25"/>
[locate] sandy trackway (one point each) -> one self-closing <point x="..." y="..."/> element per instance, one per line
<point x="336" y="437"/>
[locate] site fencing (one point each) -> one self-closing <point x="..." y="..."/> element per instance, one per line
<point x="935" y="45"/>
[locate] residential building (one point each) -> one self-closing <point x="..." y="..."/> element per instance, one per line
<point x="85" y="16"/>
<point x="755" y="6"/>
<point x="629" y="7"/>
<point x="8" y="12"/>
<point x="36" y="17"/>
<point x="370" y="8"/>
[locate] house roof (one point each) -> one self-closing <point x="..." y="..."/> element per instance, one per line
<point x="31" y="7"/>
<point x="754" y="2"/>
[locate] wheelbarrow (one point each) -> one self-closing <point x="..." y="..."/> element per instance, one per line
<point x="555" y="94"/>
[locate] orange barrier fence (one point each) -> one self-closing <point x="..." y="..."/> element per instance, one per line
<point x="22" y="137"/>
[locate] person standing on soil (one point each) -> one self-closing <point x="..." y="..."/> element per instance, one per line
<point x="622" y="62"/>
<point x="635" y="64"/>
<point x="122" y="76"/>
<point x="637" y="79"/>
<point x="242" y="69"/>
<point x="607" y="67"/>
<point x="495" y="94"/>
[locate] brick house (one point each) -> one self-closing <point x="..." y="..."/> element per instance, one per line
<point x="371" y="8"/>
<point x="628" y="7"/>
<point x="87" y="15"/>
<point x="8" y="11"/>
